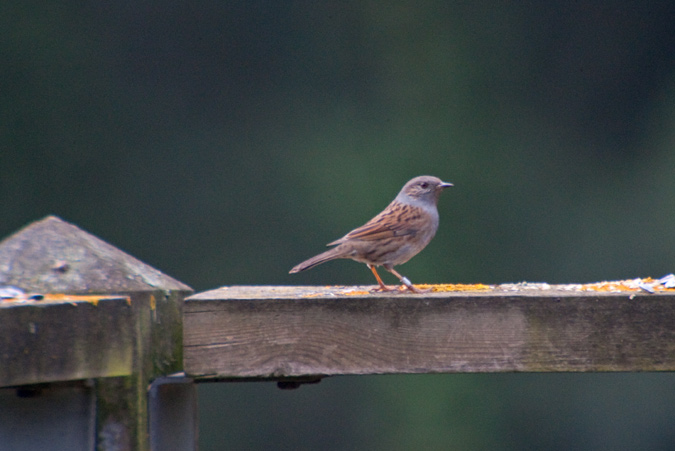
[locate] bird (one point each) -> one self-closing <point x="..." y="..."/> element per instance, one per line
<point x="392" y="237"/>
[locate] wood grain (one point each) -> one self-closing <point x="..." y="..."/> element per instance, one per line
<point x="65" y="340"/>
<point x="277" y="332"/>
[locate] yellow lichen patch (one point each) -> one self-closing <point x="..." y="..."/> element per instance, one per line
<point x="355" y="293"/>
<point x="646" y="284"/>
<point x="608" y="286"/>
<point x="445" y="287"/>
<point x="60" y="297"/>
<point x="92" y="299"/>
<point x="437" y="288"/>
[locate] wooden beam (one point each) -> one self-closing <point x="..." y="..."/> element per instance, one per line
<point x="287" y="332"/>
<point x="65" y="338"/>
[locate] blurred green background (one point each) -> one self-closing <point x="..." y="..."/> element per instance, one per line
<point x="224" y="142"/>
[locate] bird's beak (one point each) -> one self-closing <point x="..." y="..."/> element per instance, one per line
<point x="444" y="185"/>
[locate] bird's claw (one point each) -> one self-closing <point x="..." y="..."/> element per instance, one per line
<point x="400" y="288"/>
<point x="383" y="289"/>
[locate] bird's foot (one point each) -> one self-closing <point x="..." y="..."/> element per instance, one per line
<point x="406" y="282"/>
<point x="400" y="289"/>
<point x="414" y="289"/>
<point x="383" y="289"/>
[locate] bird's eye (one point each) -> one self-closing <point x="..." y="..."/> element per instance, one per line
<point x="424" y="185"/>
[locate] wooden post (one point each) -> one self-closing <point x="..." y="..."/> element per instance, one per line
<point x="119" y="325"/>
<point x="305" y="333"/>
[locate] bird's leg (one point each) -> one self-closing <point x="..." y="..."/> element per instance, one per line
<point x="383" y="287"/>
<point x="404" y="280"/>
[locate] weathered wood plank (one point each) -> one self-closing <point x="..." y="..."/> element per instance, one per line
<point x="138" y="339"/>
<point x="74" y="337"/>
<point x="277" y="332"/>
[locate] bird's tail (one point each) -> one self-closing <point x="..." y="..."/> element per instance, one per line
<point x="330" y="254"/>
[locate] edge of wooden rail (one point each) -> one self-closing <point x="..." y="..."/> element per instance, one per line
<point x="279" y="332"/>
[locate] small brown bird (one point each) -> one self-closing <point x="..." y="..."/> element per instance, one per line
<point x="394" y="236"/>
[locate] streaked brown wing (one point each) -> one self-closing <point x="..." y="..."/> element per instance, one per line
<point x="395" y="220"/>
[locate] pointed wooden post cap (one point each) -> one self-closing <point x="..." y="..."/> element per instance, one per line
<point x="125" y="333"/>
<point x="54" y="256"/>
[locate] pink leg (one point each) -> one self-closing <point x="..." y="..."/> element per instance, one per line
<point x="383" y="287"/>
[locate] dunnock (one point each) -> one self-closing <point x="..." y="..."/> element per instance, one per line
<point x="394" y="236"/>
